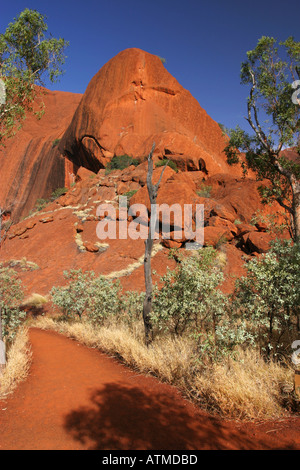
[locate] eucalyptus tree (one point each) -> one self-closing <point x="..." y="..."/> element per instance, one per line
<point x="272" y="72"/>
<point x="27" y="58"/>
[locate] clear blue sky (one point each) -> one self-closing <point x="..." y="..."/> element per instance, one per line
<point x="204" y="42"/>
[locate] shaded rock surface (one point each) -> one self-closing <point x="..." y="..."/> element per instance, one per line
<point x="31" y="164"/>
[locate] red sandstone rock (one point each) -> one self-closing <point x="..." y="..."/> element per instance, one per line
<point x="258" y="241"/>
<point x="31" y="164"/>
<point x="134" y="101"/>
<point x="83" y="173"/>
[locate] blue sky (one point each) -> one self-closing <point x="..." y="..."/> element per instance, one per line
<point x="203" y="42"/>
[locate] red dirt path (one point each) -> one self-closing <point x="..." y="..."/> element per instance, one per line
<point x="78" y="398"/>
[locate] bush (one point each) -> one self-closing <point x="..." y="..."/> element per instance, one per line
<point x="189" y="301"/>
<point x="205" y="191"/>
<point x="164" y="162"/>
<point x="39" y="205"/>
<point x="132" y="307"/>
<point x="55" y="143"/>
<point x="121" y="162"/>
<point x="88" y="296"/>
<point x="11" y="296"/>
<point x="268" y="298"/>
<point x="58" y="193"/>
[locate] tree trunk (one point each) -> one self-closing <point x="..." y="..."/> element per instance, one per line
<point x="152" y="191"/>
<point x="1" y="216"/>
<point x="2" y="347"/>
<point x="296" y="209"/>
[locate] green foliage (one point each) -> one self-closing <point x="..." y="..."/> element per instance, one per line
<point x="55" y="143"/>
<point x="88" y="296"/>
<point x="190" y="302"/>
<point x="223" y="128"/>
<point x="163" y="60"/>
<point x="58" y="193"/>
<point x="39" y="205"/>
<point x="132" y="307"/>
<point x="205" y="190"/>
<point x="268" y="298"/>
<point x="121" y="162"/>
<point x="27" y="56"/>
<point x="95" y="299"/>
<point x="270" y="70"/>
<point x="129" y="194"/>
<point x="271" y="222"/>
<point x="11" y="296"/>
<point x="165" y="162"/>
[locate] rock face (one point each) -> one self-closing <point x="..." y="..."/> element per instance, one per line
<point x="31" y="165"/>
<point x="134" y="101"/>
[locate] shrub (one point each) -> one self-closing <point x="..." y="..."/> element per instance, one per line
<point x="204" y="191"/>
<point x="132" y="307"/>
<point x="39" y="205"/>
<point x="129" y="194"/>
<point x="269" y="297"/>
<point x="189" y="301"/>
<point x="121" y="162"/>
<point x="95" y="298"/>
<point x="58" y="193"/>
<point x="55" y="143"/>
<point x="11" y="296"/>
<point x="169" y="162"/>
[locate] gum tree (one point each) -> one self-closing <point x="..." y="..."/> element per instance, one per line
<point x="272" y="71"/>
<point x="27" y="58"/>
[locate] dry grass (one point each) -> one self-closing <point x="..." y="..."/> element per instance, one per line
<point x="246" y="388"/>
<point x="18" y="364"/>
<point x="35" y="300"/>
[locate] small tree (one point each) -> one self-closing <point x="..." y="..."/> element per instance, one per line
<point x="271" y="70"/>
<point x="26" y="57"/>
<point x="269" y="297"/>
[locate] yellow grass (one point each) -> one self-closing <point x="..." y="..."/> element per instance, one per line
<point x="245" y="388"/>
<point x="18" y="364"/>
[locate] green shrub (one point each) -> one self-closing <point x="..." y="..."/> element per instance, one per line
<point x="268" y="298"/>
<point x="11" y="296"/>
<point x="55" y="143"/>
<point x="132" y="307"/>
<point x="58" y="193"/>
<point x="189" y="301"/>
<point x="88" y="296"/>
<point x="39" y="205"/>
<point x="163" y="162"/>
<point x="129" y="194"/>
<point x="121" y="162"/>
<point x="204" y="191"/>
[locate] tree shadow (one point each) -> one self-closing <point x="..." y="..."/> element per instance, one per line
<point x="128" y="418"/>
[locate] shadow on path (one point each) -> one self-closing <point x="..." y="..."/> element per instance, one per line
<point x="127" y="418"/>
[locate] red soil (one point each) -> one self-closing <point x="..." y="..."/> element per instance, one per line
<point x="78" y="398"/>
